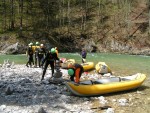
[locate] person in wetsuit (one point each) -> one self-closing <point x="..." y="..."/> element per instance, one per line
<point x="83" y="54"/>
<point x="30" y="55"/>
<point x="41" y="52"/>
<point x="37" y="46"/>
<point x="50" y="58"/>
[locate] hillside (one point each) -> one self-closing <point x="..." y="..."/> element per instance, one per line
<point x="99" y="26"/>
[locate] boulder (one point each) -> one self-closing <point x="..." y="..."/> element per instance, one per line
<point x="14" y="49"/>
<point x="9" y="90"/>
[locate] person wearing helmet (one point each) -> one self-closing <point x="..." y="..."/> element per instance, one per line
<point x="50" y="58"/>
<point x="37" y="46"/>
<point x="30" y="55"/>
<point x="41" y="53"/>
<point x="75" y="71"/>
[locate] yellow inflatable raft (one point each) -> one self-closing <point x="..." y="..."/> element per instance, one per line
<point x="106" y="85"/>
<point x="66" y="63"/>
<point x="102" y="68"/>
<point x="88" y="66"/>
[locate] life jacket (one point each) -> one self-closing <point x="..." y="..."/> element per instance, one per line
<point x="77" y="70"/>
<point x="57" y="52"/>
<point x="34" y="48"/>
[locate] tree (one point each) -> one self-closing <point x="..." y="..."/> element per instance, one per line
<point x="148" y="2"/>
<point x="127" y="10"/>
<point x="3" y="15"/>
<point x="12" y="16"/>
<point x="21" y="17"/>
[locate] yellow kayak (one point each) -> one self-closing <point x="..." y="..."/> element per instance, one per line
<point x="106" y="85"/>
<point x="102" y="68"/>
<point x="66" y="63"/>
<point x="88" y="66"/>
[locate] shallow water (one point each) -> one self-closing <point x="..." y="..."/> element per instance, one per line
<point x="120" y="64"/>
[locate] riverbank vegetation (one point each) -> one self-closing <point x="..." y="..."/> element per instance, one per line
<point x="104" y="25"/>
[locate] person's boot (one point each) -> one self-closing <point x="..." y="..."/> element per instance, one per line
<point x="42" y="78"/>
<point x="27" y="65"/>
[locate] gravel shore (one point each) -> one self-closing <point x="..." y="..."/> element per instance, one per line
<point x="21" y="91"/>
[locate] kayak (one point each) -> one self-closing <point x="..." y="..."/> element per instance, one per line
<point x="105" y="85"/>
<point x="102" y="68"/>
<point x="88" y="66"/>
<point x="66" y="63"/>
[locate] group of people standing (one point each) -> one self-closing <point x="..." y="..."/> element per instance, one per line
<point x="39" y="54"/>
<point x="36" y="54"/>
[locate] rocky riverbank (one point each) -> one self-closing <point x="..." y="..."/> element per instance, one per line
<point x="18" y="48"/>
<point x="21" y="91"/>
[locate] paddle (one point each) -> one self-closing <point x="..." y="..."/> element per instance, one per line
<point x="101" y="108"/>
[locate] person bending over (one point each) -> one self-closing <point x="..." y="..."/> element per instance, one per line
<point x="75" y="71"/>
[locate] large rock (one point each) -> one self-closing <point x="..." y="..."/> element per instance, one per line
<point x="14" y="49"/>
<point x="9" y="90"/>
<point x="90" y="46"/>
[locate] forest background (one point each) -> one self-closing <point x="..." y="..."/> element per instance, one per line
<point x="98" y="25"/>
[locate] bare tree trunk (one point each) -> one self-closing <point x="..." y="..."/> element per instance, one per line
<point x="98" y="22"/>
<point x="68" y="15"/>
<point x="119" y="4"/>
<point x="48" y="17"/>
<point x="99" y="11"/>
<point x="4" y="24"/>
<point x="68" y="12"/>
<point x="149" y="16"/>
<point x="86" y="13"/>
<point x="63" y="21"/>
<point x="127" y="21"/>
<point x="12" y="15"/>
<point x="60" y="14"/>
<point x="82" y="18"/>
<point x="21" y="16"/>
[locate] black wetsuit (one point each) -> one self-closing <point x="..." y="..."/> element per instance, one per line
<point x="49" y="59"/>
<point x="36" y="56"/>
<point x="30" y="56"/>
<point x="41" y="53"/>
